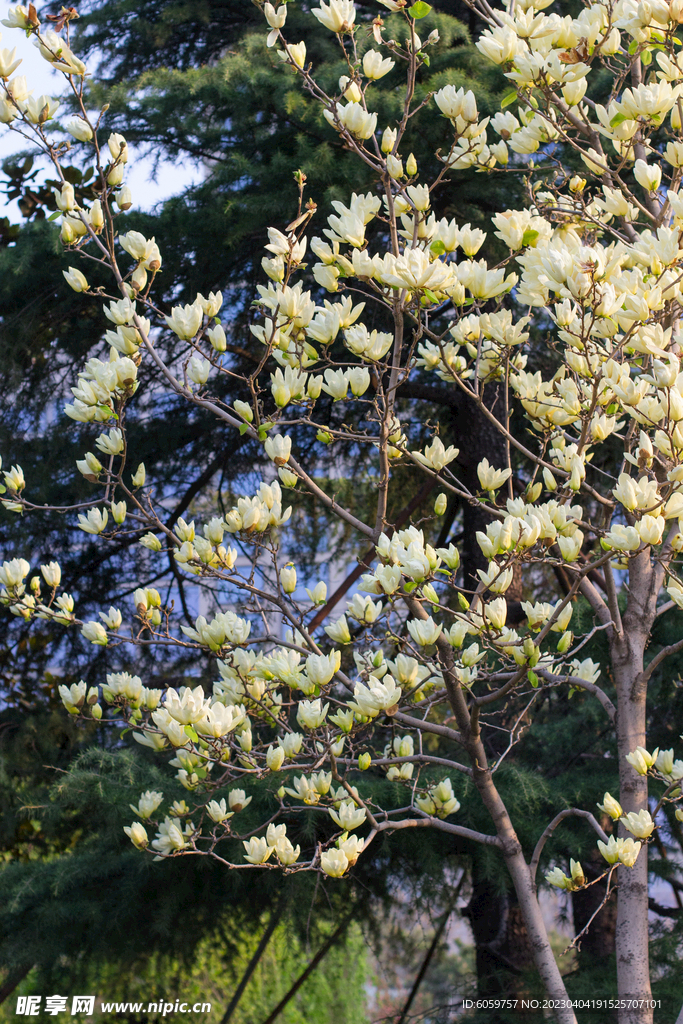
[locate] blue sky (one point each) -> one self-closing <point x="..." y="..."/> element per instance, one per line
<point x="170" y="179"/>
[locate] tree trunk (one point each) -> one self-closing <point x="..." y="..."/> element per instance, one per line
<point x="501" y="943"/>
<point x="539" y="942"/>
<point x="632" y="933"/>
<point x="477" y="439"/>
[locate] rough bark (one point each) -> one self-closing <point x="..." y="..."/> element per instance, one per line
<point x="478" y="438"/>
<point x="501" y="943"/>
<point x="627" y="649"/>
<point x="520" y="874"/>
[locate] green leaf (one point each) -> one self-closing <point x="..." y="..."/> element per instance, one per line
<point x="426" y="60"/>
<point x="508" y="98"/>
<point x="419" y="10"/>
<point x="437" y="247"/>
<point x="533" y="679"/>
<point x="409" y="587"/>
<point x="189" y="731"/>
<point x="55" y="215"/>
<point x="430" y="295"/>
<point x="529" y="236"/>
<point x="73" y="175"/>
<point x="3" y="489"/>
<point x="243" y="429"/>
<point x="262" y="433"/>
<point x="633" y="47"/>
<point x="617" y="119"/>
<point x="646" y="57"/>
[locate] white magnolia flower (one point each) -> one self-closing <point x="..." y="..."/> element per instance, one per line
<point x="147" y="804"/>
<point x="311" y="713"/>
<point x="334" y="863"/>
<point x="348" y="816"/>
<point x="337" y="15"/>
<point x="375" y="66"/>
<point x="436" y="456"/>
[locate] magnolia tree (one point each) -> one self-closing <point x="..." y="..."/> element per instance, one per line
<point x="593" y="487"/>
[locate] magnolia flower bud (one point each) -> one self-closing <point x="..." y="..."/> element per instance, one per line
<point x="67" y="233"/>
<point x="389" y="136"/>
<point x="611" y="807"/>
<point x="288" y="579"/>
<point x="118" y="147"/>
<point x="52" y="574"/>
<point x="139" y="278"/>
<point x="137" y="834"/>
<point x="118" y="511"/>
<point x="80" y="129"/>
<point x="573" y="92"/>
<point x="95" y="633"/>
<point x="216" y="336"/>
<point x="151" y="542"/>
<point x="297" y="54"/>
<point x="642" y="760"/>
<point x="274" y="758"/>
<point x="96" y="216"/>
<point x="76" y="280"/>
<point x="288" y="478"/>
<point x="411" y="166"/>
<point x="648" y="175"/>
<point x="395" y="166"/>
<point x="65" y="198"/>
<point x="116" y="174"/>
<point x="243" y="409"/>
<point x="565" y="642"/>
<point x="350" y="90"/>
<point x="440" y="504"/>
<point x="124" y="198"/>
